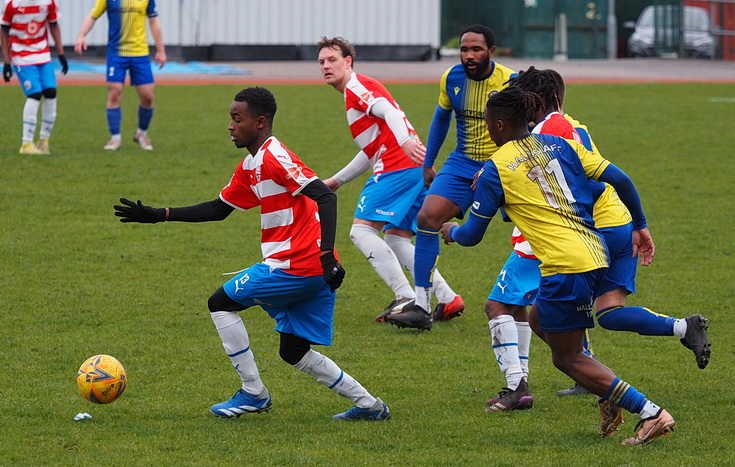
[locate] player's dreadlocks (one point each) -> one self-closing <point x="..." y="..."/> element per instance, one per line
<point x="515" y="106"/>
<point x="542" y="83"/>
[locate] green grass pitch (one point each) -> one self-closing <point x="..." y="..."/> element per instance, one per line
<point x="75" y="282"/>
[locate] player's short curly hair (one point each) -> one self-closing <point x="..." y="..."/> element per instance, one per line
<point x="486" y="32"/>
<point x="347" y="49"/>
<point x="260" y="102"/>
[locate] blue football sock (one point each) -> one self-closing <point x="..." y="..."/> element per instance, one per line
<point x="626" y="396"/>
<point x="114" y="117"/>
<point x="144" y="117"/>
<point x="636" y="319"/>
<point x="426" y="255"/>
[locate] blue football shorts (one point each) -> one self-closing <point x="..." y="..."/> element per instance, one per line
<point x="623" y="265"/>
<point x="139" y="67"/>
<point x="301" y="305"/>
<point x="517" y="282"/>
<point x="454" y="181"/>
<point x="393" y="197"/>
<point x="564" y="301"/>
<point x="35" y="78"/>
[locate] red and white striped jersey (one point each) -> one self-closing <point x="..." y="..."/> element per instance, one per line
<point x="289" y="222"/>
<point x="372" y="134"/>
<point x="28" y="19"/>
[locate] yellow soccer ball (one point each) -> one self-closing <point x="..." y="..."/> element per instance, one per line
<point x="101" y="379"/>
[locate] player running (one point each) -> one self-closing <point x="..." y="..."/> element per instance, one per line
<point x="392" y="197"/>
<point x="541" y="182"/>
<point x="463" y="90"/>
<point x="300" y="272"/>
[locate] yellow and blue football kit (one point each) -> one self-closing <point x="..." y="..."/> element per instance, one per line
<point x="541" y="183"/>
<point x="466" y="98"/>
<point x="127" y="29"/>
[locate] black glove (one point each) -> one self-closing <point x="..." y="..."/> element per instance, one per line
<point x="138" y="212"/>
<point x="7" y="72"/>
<point x="334" y="273"/>
<point x="64" y="64"/>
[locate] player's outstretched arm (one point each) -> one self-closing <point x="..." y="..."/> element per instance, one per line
<point x="130" y="211"/>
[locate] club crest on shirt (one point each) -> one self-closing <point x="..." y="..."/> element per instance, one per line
<point x="294" y="172"/>
<point x="366" y="96"/>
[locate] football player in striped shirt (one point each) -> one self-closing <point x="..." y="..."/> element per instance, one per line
<point x="541" y="182"/>
<point x="391" y="198"/>
<point x="296" y="282"/>
<point x="127" y="51"/>
<point x="463" y="91"/>
<point x="24" y="29"/>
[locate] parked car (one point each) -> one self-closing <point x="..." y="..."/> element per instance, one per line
<point x="647" y="41"/>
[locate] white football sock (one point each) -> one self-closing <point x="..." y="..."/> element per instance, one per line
<point x="381" y="258"/>
<point x="404" y="250"/>
<point x="48" y="118"/>
<point x="330" y="375"/>
<point x="237" y="345"/>
<point x="524" y="343"/>
<point x="649" y="410"/>
<point x="30" y="117"/>
<point x="680" y="328"/>
<point x="423" y="298"/>
<point x="505" y="346"/>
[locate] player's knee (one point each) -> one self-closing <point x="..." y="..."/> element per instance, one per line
<point x="361" y="231"/>
<point x="293" y="348"/>
<point x="564" y="363"/>
<point x="49" y="93"/>
<point x="35" y="95"/>
<point x="220" y="301"/>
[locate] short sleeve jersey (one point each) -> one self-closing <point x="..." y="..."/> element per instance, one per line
<point x="28" y="22"/>
<point x="290" y="229"/>
<point x="372" y="134"/>
<point x="126" y="36"/>
<point x="541" y="183"/>
<point x="467" y="98"/>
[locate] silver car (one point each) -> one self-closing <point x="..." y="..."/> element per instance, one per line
<point x="654" y="32"/>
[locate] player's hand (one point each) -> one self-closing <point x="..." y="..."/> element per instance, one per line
<point x="64" y="64"/>
<point x="414" y="150"/>
<point x="138" y="212"/>
<point x="429" y="176"/>
<point x="446" y="227"/>
<point x="333" y="272"/>
<point x="643" y="245"/>
<point x="7" y="72"/>
<point x="80" y="46"/>
<point x="160" y="59"/>
<point x="331" y="183"/>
